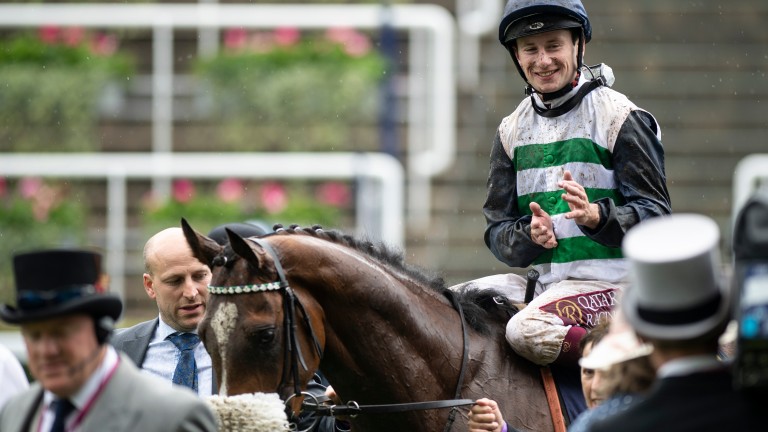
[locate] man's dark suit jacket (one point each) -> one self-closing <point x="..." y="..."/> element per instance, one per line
<point x="134" y="341"/>
<point x="699" y="402"/>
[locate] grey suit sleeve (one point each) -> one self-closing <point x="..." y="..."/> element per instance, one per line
<point x="199" y="418"/>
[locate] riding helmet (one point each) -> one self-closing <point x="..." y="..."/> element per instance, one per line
<point x="530" y="17"/>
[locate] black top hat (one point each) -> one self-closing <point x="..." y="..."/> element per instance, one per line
<point x="53" y="283"/>
<point x="244" y="230"/>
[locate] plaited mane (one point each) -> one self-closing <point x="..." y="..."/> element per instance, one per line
<point x="479" y="308"/>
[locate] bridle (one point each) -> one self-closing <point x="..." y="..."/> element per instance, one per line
<point x="292" y="355"/>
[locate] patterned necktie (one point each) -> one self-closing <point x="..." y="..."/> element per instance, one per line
<point x="186" y="369"/>
<point x="62" y="408"/>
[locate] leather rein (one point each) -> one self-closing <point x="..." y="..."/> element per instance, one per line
<point x="292" y="353"/>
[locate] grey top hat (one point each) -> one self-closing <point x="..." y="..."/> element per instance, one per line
<point x="52" y="283"/>
<point x="676" y="290"/>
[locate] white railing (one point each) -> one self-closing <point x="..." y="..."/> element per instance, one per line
<point x="381" y="220"/>
<point x="476" y="18"/>
<point x="432" y="118"/>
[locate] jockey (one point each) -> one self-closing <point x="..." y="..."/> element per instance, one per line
<point x="574" y="167"/>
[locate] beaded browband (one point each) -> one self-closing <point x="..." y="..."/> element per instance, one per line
<point x="240" y="289"/>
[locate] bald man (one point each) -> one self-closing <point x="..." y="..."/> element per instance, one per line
<point x="178" y="283"/>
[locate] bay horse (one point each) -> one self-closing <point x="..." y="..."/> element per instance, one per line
<point x="381" y="331"/>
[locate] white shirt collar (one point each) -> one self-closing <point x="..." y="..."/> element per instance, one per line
<point x="164" y="330"/>
<point x="688" y="365"/>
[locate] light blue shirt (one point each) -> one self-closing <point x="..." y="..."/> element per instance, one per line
<point x="162" y="356"/>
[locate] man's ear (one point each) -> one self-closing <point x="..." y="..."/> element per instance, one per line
<point x="149" y="286"/>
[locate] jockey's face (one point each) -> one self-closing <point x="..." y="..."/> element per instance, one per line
<point x="548" y="60"/>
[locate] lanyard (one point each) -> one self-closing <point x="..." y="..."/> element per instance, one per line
<point x="88" y="405"/>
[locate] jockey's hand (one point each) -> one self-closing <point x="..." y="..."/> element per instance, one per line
<point x="541" y="227"/>
<point x="485" y="416"/>
<point x="336" y="400"/>
<point x="582" y="211"/>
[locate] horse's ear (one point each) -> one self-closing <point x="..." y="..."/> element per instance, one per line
<point x="241" y="247"/>
<point x="203" y="248"/>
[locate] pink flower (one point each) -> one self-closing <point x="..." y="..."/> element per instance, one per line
<point x="104" y="44"/>
<point x="46" y="198"/>
<point x="230" y="190"/>
<point x="183" y="190"/>
<point x="261" y="42"/>
<point x="235" y="38"/>
<point x="333" y="193"/>
<point x="49" y="34"/>
<point x="355" y="43"/>
<point x="273" y="197"/>
<point x="287" y="36"/>
<point x="357" y="46"/>
<point x="29" y="187"/>
<point x="150" y="201"/>
<point x="73" y="36"/>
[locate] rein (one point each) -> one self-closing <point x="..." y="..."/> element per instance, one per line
<point x="294" y="357"/>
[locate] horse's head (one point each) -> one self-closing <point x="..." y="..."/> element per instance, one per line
<point x="261" y="337"/>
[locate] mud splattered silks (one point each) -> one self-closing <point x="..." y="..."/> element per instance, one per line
<point x="613" y="149"/>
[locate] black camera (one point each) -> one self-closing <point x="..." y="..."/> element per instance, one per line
<point x="750" y="251"/>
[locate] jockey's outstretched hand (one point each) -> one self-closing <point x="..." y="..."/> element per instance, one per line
<point x="582" y="211"/>
<point x="485" y="416"/>
<point x="542" y="232"/>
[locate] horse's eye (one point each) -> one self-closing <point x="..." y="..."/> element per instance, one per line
<point x="263" y="336"/>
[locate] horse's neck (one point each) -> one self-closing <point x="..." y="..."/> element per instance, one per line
<point x="406" y="346"/>
<point x="385" y="348"/>
<point x="390" y="340"/>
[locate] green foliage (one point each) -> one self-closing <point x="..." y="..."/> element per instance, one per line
<point x="268" y="203"/>
<point x="50" y="93"/>
<point x="203" y="212"/>
<point x="305" y="211"/>
<point x="305" y="96"/>
<point x="48" y="215"/>
<point x="31" y="50"/>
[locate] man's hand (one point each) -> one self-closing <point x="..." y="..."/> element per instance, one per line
<point x="582" y="211"/>
<point x="330" y="393"/>
<point x="485" y="416"/>
<point x="542" y="232"/>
